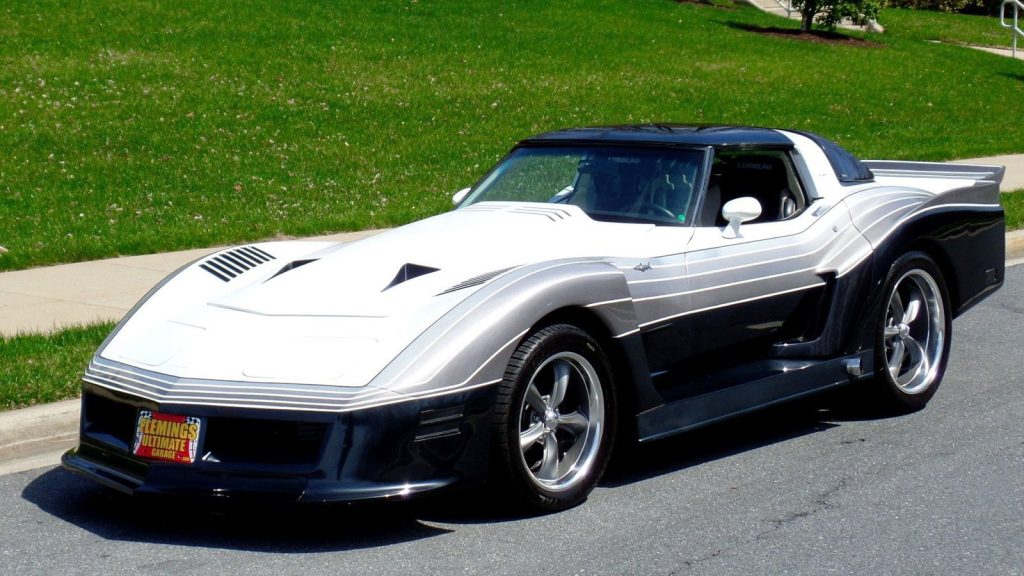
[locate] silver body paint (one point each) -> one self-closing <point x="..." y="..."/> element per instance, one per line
<point x="418" y="340"/>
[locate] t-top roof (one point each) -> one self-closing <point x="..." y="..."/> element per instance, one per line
<point x="667" y="134"/>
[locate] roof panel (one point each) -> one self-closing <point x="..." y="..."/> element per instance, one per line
<point x="698" y="135"/>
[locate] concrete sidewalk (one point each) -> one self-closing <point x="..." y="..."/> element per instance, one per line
<point x="1013" y="179"/>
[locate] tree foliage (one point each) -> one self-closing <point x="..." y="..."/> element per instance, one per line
<point x="829" y="13"/>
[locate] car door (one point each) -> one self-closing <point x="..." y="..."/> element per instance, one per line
<point x="763" y="285"/>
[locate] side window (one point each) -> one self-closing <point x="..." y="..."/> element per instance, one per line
<point x="766" y="175"/>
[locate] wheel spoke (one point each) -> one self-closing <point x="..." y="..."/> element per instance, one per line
<point x="573" y="422"/>
<point x="531" y="435"/>
<point x="914" y="350"/>
<point x="562" y="374"/>
<point x="896" y="306"/>
<point x="896" y="358"/>
<point x="912" y="310"/>
<point x="890" y="331"/>
<point x="570" y="460"/>
<point x="535" y="400"/>
<point x="549" y="463"/>
<point x="919" y="363"/>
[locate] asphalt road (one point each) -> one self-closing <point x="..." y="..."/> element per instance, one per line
<point x="822" y="487"/>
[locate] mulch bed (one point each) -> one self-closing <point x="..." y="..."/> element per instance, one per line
<point x="816" y="36"/>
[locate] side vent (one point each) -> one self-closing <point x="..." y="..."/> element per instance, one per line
<point x="439" y="423"/>
<point x="234" y="262"/>
<point x="474" y="281"/>
<point x="408" y="272"/>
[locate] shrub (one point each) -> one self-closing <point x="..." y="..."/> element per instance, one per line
<point x="828" y="13"/>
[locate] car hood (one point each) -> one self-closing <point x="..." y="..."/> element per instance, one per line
<point x="340" y="313"/>
<point x="386" y="274"/>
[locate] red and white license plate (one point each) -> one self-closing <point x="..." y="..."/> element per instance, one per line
<point x="167" y="437"/>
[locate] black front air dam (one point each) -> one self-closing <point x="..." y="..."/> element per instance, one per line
<point x="398" y="450"/>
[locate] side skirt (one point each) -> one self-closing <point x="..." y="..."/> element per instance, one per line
<point x="796" y="379"/>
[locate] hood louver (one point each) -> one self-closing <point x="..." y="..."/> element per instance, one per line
<point x="232" y="263"/>
<point x="474" y="281"/>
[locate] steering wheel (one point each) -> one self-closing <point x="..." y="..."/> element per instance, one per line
<point x="652" y="208"/>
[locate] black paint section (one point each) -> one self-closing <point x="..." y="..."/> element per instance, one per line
<point x="388" y="451"/>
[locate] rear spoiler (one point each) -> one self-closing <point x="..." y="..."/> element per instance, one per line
<point x="897" y="168"/>
<point x="965" y="183"/>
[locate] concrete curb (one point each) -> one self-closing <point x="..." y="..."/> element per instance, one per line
<point x="35" y="437"/>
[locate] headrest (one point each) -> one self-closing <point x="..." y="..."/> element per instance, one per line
<point x="596" y="166"/>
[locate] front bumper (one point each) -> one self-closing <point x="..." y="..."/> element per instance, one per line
<point x="391" y="451"/>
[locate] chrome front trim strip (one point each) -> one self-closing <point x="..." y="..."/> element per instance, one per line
<point x="162" y="388"/>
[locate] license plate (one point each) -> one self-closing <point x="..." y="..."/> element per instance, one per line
<point x="167" y="437"/>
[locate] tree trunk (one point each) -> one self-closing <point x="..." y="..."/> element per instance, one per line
<point x="807" y="15"/>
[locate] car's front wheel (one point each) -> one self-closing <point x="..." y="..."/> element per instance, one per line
<point x="554" y="419"/>
<point x="913" y="334"/>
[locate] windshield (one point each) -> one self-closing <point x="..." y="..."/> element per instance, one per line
<point x="617" y="183"/>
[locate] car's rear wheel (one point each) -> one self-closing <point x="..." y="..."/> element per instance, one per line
<point x="913" y="333"/>
<point x="554" y="419"/>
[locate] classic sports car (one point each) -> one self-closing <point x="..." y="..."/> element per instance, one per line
<point x="599" y="284"/>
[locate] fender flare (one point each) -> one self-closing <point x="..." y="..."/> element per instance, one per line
<point x="470" y="346"/>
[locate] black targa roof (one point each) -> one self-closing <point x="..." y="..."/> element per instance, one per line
<point x="667" y="134"/>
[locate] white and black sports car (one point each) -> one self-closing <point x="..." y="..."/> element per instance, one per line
<point x="634" y="281"/>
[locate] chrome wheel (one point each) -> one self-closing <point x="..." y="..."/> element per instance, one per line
<point x="914" y="334"/>
<point x="561" y="421"/>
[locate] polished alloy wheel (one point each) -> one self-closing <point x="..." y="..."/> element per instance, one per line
<point x="561" y="421"/>
<point x="915" y="331"/>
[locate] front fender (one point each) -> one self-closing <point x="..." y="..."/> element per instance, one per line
<point x="471" y="345"/>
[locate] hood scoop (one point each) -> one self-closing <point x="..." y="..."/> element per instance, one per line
<point x="291" y="266"/>
<point x="230" y="264"/>
<point x="408" y="272"/>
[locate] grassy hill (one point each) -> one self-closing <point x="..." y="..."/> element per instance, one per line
<point x="142" y="127"/>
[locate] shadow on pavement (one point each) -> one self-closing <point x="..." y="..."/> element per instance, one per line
<point x="734" y="436"/>
<point x="329" y="528"/>
<point x="252" y="527"/>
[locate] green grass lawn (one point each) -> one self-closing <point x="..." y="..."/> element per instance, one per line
<point x="35" y="369"/>
<point x="131" y="128"/>
<point x="1013" y="205"/>
<point x="952" y="28"/>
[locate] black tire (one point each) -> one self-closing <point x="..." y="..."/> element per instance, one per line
<point x="912" y="346"/>
<point x="572" y="440"/>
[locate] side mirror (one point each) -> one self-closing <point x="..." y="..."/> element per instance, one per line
<point x="736" y="212"/>
<point x="459" y="196"/>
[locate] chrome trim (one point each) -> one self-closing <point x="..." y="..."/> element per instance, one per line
<point x="162" y="388"/>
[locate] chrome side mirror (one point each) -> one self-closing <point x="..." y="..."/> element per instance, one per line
<point x="459" y="196"/>
<point x="737" y="211"/>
